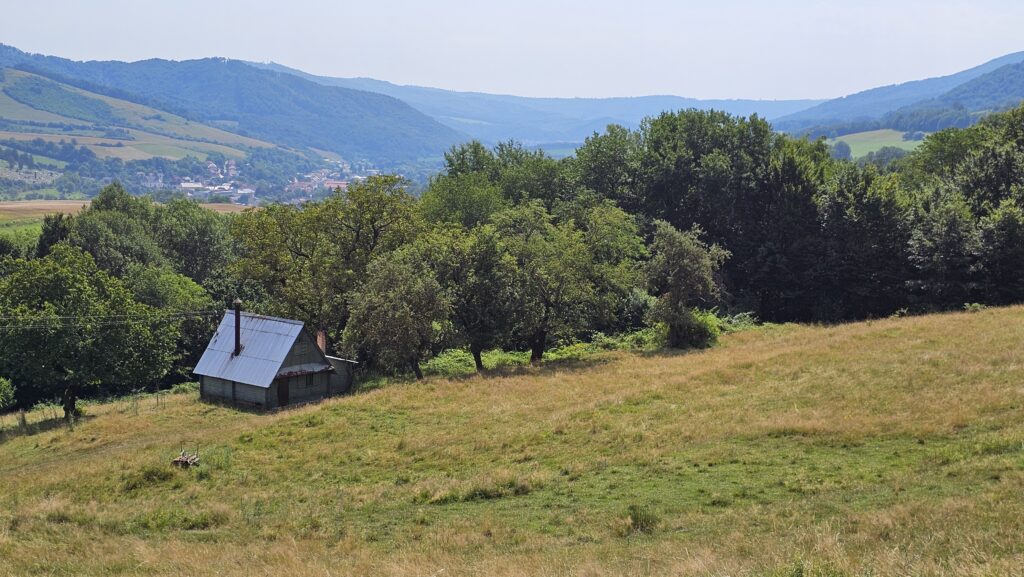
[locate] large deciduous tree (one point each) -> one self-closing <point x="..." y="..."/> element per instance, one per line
<point x="70" y="326"/>
<point x="554" y="287"/>
<point x="309" y="259"/>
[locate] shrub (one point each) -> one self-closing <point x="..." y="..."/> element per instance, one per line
<point x="974" y="307"/>
<point x="737" y="322"/>
<point x="6" y="394"/>
<point x="185" y="388"/>
<point x="699" y="330"/>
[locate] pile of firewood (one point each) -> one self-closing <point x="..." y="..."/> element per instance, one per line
<point x="186" y="459"/>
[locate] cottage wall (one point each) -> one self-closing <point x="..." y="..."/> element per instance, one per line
<point x="221" y="390"/>
<point x="303" y="351"/>
<point x="301" y="389"/>
<point x="341" y="381"/>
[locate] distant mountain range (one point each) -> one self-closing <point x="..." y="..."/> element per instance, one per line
<point x="279" y="108"/>
<point x="966" y="95"/>
<point x="243" y="106"/>
<point x="534" y="121"/>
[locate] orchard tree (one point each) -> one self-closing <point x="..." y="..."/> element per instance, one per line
<point x="682" y="273"/>
<point x="478" y="276"/>
<point x="555" y="293"/>
<point x="398" y="313"/>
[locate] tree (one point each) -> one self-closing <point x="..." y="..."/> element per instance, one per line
<point x="555" y="294"/>
<point x="944" y="251"/>
<point x="73" y="327"/>
<point x="116" y="240"/>
<point x="398" y="312"/>
<point x="472" y="157"/>
<point x="194" y="238"/>
<point x="612" y="238"/>
<point x="530" y="175"/>
<point x="477" y="275"/>
<point x="607" y="165"/>
<point x="1002" y="253"/>
<point x="682" y="272"/>
<point x="466" y="199"/>
<point x="56" y="227"/>
<point x="863" y="269"/>
<point x="842" y="151"/>
<point x="310" y="259"/>
<point x="165" y="290"/>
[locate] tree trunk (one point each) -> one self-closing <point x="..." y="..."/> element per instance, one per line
<point x="70" y="402"/>
<point x="537" y="347"/>
<point x="416" y="368"/>
<point x="477" y="358"/>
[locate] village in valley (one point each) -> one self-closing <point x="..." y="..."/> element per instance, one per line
<point x="225" y="183"/>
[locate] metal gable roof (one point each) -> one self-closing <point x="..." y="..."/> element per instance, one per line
<point x="266" y="342"/>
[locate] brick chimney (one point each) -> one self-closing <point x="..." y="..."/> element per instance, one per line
<point x="321" y="341"/>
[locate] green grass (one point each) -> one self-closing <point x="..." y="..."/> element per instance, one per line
<point x="891" y="447"/>
<point x="862" y="143"/>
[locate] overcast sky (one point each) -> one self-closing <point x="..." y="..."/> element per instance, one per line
<point x="712" y="49"/>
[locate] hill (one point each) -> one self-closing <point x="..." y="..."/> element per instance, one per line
<point x="261" y="104"/>
<point x="493" y="117"/>
<point x="34" y="107"/>
<point x="887" y="447"/>
<point x="875" y="103"/>
<point x="964" y="105"/>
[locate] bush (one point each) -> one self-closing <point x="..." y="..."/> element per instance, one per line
<point x="6" y="394"/>
<point x="185" y="388"/>
<point x="737" y="322"/>
<point x="974" y="307"/>
<point x="698" y="330"/>
<point x="451" y="363"/>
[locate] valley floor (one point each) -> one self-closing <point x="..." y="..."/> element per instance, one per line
<point x="892" y="447"/>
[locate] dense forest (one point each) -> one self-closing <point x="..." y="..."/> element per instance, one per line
<point x="663" y="231"/>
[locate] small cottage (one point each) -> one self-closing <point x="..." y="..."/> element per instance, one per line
<point x="262" y="362"/>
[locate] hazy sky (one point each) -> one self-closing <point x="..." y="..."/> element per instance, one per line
<point x="713" y="49"/>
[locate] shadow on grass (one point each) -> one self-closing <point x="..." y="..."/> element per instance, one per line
<point x="509" y="370"/>
<point x="8" y="432"/>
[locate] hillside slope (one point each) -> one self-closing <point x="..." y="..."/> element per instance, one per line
<point x="964" y="105"/>
<point x="877" y="102"/>
<point x="262" y="104"/>
<point x="495" y="117"/>
<point x="882" y="448"/>
<point x="32" y="106"/>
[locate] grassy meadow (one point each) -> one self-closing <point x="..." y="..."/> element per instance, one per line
<point x="862" y="143"/>
<point x="892" y="447"/>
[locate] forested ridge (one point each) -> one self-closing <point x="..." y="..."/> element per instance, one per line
<point x="649" y="237"/>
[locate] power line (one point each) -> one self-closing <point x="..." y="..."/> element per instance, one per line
<point x="70" y="322"/>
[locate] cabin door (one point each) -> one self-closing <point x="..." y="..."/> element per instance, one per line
<point x="282" y="393"/>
